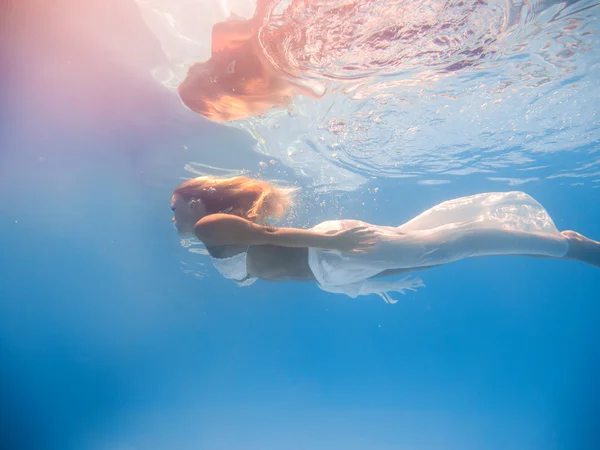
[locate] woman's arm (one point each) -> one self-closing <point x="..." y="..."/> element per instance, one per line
<point x="227" y="229"/>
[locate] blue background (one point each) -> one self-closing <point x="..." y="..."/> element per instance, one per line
<point x="105" y="343"/>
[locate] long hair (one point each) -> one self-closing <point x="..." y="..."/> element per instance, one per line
<point x="212" y="91"/>
<point x="246" y="197"/>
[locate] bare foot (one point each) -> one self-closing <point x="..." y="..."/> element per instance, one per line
<point x="582" y="249"/>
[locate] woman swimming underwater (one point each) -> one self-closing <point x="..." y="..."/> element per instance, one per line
<point x="348" y="256"/>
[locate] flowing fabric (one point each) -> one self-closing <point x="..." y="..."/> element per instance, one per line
<point x="497" y="223"/>
<point x="234" y="268"/>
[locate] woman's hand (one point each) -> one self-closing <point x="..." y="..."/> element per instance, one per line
<point x="354" y="240"/>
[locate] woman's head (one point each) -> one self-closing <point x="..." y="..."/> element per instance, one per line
<point x="252" y="199"/>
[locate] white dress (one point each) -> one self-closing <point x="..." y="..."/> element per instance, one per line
<point x="234" y="268"/>
<point x="499" y="223"/>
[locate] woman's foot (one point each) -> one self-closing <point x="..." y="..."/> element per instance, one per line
<point x="582" y="249"/>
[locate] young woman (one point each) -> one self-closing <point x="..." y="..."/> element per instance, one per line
<point x="348" y="256"/>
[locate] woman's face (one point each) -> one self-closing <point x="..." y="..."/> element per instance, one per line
<point x="186" y="214"/>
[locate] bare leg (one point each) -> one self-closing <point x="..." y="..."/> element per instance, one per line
<point x="582" y="248"/>
<point x="441" y="246"/>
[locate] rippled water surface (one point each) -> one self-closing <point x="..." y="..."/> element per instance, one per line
<point x="424" y="89"/>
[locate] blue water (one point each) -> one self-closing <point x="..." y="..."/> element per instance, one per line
<point x="107" y="341"/>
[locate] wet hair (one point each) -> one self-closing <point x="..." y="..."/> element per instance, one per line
<point x="246" y="197"/>
<point x="231" y="85"/>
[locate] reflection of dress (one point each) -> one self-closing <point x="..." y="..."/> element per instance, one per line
<point x="506" y="223"/>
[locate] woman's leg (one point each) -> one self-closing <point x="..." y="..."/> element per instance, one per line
<point x="582" y="248"/>
<point x="501" y="242"/>
<point x="447" y="244"/>
<point x="400" y="250"/>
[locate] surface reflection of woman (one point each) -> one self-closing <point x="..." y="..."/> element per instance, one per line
<point x="238" y="81"/>
<point x="348" y="256"/>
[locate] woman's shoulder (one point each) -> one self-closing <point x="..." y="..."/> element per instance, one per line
<point x="220" y="219"/>
<point x="221" y="228"/>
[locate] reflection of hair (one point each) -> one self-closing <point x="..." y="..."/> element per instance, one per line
<point x="250" y="198"/>
<point x="231" y="85"/>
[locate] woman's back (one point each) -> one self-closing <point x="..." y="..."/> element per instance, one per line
<point x="267" y="262"/>
<point x="275" y="263"/>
